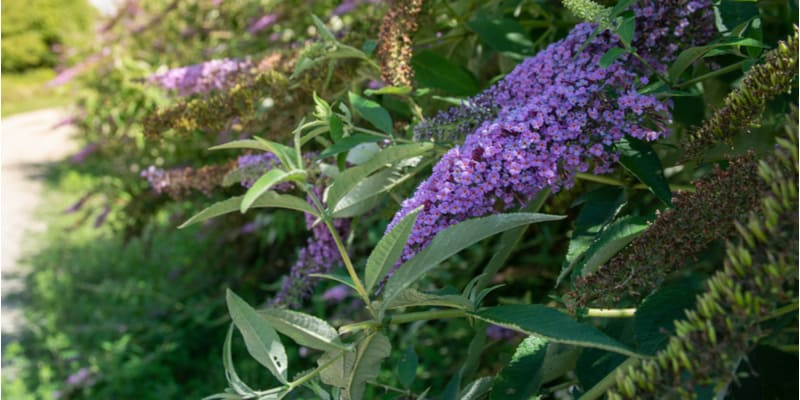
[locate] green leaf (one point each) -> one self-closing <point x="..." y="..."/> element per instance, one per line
<point x="609" y="242"/>
<point x="265" y="183"/>
<point x="231" y="376"/>
<point x="395" y="90"/>
<point x="611" y="55"/>
<point x="733" y="13"/>
<point x="599" y="209"/>
<point x="638" y="157"/>
<point x="626" y="30"/>
<point x="336" y="127"/>
<point x="249" y="144"/>
<point x="351" y="371"/>
<point x="407" y="368"/>
<point x="364" y="196"/>
<point x="435" y="71"/>
<point x="261" y="340"/>
<point x="343" y="279"/>
<point x="372" y="112"/>
<point x="620" y="7"/>
<point x="690" y="55"/>
<point x="502" y="34"/>
<point x="388" y="250"/>
<point x="267" y="200"/>
<point x="353" y="176"/>
<point x="554" y="326"/>
<point x="654" y="321"/>
<point x="322" y="29"/>
<point x="414" y="298"/>
<point x="286" y="154"/>
<point x="522" y="377"/>
<point x="454" y="239"/>
<point x="306" y="330"/>
<point x="345" y="144"/>
<point x="476" y="389"/>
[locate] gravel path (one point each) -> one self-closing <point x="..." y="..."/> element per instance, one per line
<point x="28" y="143"/>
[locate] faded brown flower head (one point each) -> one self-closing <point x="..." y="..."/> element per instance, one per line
<point x="675" y="236"/>
<point x="395" y="48"/>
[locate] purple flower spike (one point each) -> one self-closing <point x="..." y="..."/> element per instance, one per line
<point x="558" y="113"/>
<point x="262" y="23"/>
<point x="203" y="77"/>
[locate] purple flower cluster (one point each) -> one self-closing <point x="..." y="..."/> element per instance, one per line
<point x="559" y="113"/>
<point x="319" y="256"/>
<point x="156" y="177"/>
<point x="262" y="23"/>
<point x="203" y="77"/>
<point x="252" y="166"/>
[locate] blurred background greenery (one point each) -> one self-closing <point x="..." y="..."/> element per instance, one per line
<point x="122" y="305"/>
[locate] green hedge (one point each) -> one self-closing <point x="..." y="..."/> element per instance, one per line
<point x="31" y="27"/>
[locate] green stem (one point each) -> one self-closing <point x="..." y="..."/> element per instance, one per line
<point x="721" y="71"/>
<point x="348" y="264"/>
<point x="403" y="319"/>
<point x="611" y="312"/>
<point x="601" y="387"/>
<point x="599" y="179"/>
<point x="383" y="135"/>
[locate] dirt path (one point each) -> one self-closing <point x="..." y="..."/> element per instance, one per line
<point x="28" y="143"/>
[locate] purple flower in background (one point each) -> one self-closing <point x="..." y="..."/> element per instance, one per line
<point x="78" y="204"/>
<point x="68" y="74"/>
<point x="203" y="77"/>
<point x="262" y="23"/>
<point x="252" y="166"/>
<point x="85" y="152"/>
<point x="83" y="377"/>
<point x="156" y="177"/>
<point x="319" y="256"/>
<point x="336" y="293"/>
<point x="349" y="5"/>
<point x="557" y="113"/>
<point x="497" y="333"/>
<point x="101" y="218"/>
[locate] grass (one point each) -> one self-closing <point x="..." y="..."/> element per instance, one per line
<point x="26" y="91"/>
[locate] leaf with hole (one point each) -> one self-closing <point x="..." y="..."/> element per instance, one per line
<point x="261" y="340"/>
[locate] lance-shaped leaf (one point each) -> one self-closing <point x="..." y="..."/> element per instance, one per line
<point x="414" y="298"/>
<point x="345" y="144"/>
<point x="365" y="195"/>
<point x="366" y="365"/>
<point x="547" y="323"/>
<point x="522" y="377"/>
<point x="267" y="200"/>
<point x="388" y="250"/>
<point x="599" y="209"/>
<point x="351" y="371"/>
<point x="454" y="239"/>
<point x="231" y="376"/>
<point x="609" y="242"/>
<point x="265" y="183"/>
<point x="638" y="157"/>
<point x="304" y="329"/>
<point x="372" y="112"/>
<point x="284" y="153"/>
<point x="260" y="338"/>
<point x="353" y="176"/>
